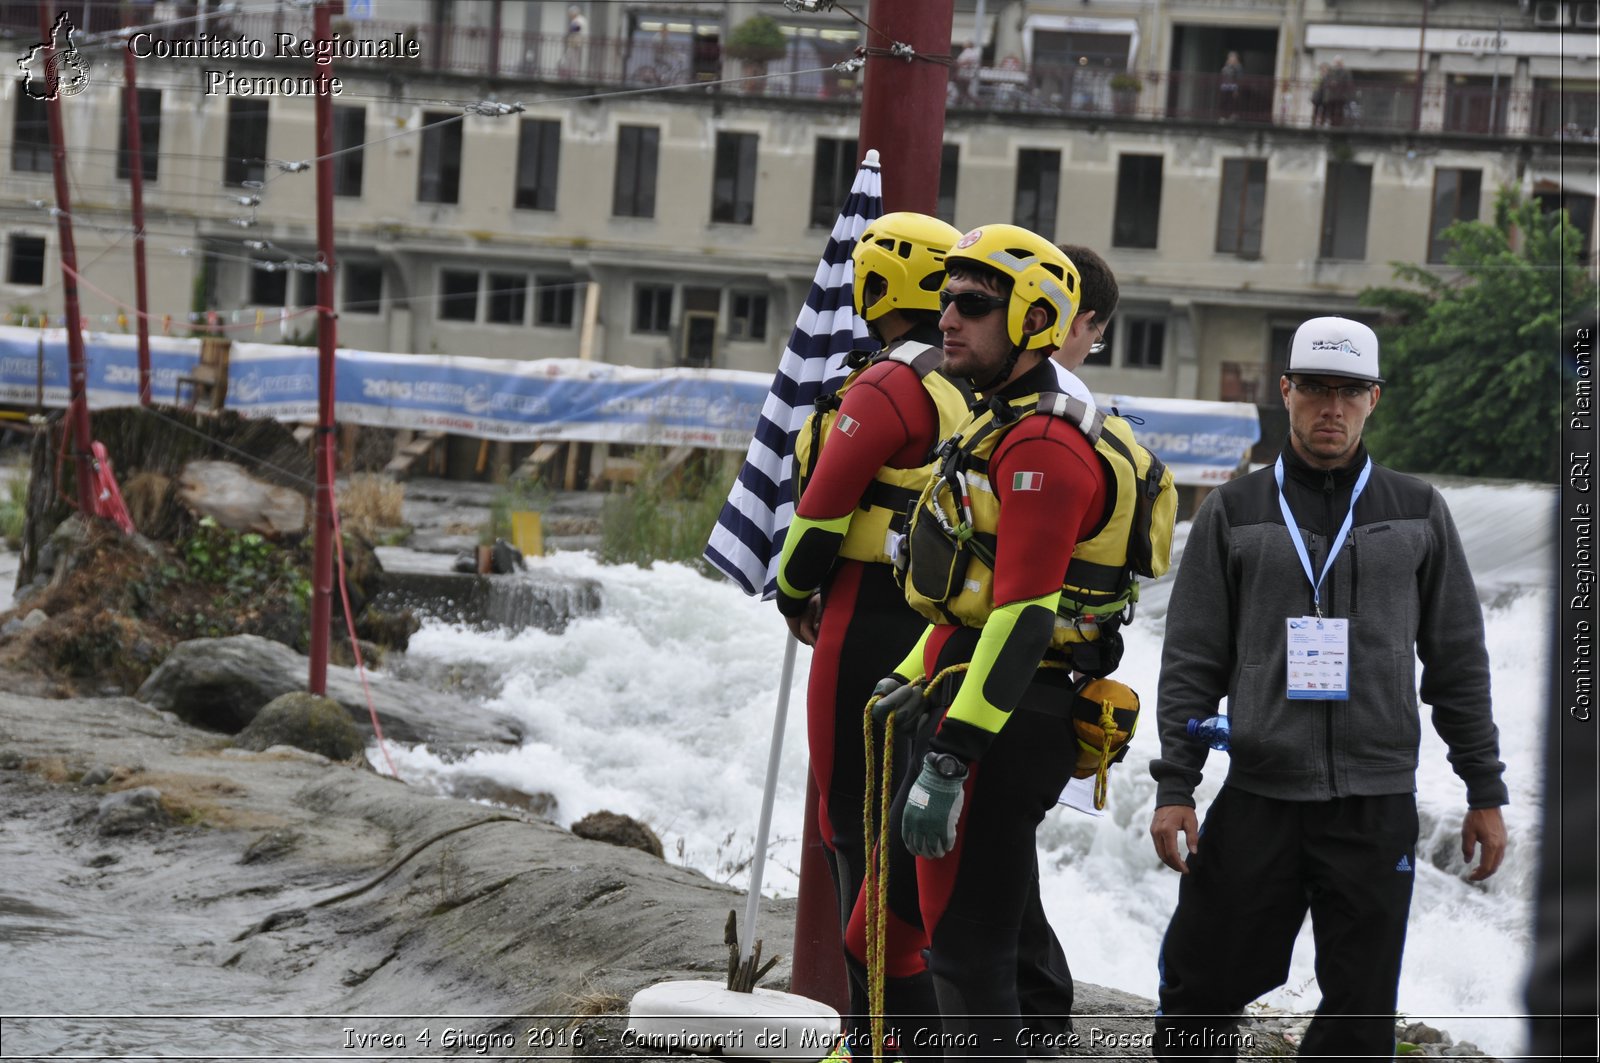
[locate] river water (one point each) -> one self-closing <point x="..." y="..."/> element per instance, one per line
<point x="661" y="706"/>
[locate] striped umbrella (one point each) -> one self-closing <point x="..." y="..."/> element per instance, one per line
<point x="748" y="538"/>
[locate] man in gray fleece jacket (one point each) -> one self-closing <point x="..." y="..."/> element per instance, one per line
<point x="1318" y="810"/>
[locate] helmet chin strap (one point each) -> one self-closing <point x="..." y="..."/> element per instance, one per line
<point x="999" y="378"/>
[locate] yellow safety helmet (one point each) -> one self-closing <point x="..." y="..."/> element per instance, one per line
<point x="907" y="250"/>
<point x="1039" y="271"/>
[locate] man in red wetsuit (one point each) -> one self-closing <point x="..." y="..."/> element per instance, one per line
<point x="860" y="461"/>
<point x="1029" y="485"/>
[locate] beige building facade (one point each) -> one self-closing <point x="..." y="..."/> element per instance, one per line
<point x="614" y="219"/>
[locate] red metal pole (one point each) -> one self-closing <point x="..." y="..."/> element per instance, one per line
<point x="141" y="296"/>
<point x="322" y="561"/>
<point x="902" y="116"/>
<point x="78" y="374"/>
<point x="818" y="968"/>
<point x="902" y="107"/>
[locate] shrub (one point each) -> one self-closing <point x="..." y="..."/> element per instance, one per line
<point x="371" y="502"/>
<point x="667" y="518"/>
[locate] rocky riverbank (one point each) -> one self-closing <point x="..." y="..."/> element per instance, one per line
<point x="171" y="875"/>
<point x="287" y="884"/>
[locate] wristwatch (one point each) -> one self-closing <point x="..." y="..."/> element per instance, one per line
<point x="946" y="765"/>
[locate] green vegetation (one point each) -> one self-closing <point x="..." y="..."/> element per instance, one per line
<point x="667" y="518"/>
<point x="14" y="512"/>
<point x="1473" y="357"/>
<point x="757" y="40"/>
<point x="245" y="567"/>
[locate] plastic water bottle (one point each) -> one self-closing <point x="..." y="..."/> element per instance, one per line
<point x="1213" y="731"/>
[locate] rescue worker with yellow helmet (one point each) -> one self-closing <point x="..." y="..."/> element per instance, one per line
<point x="860" y="463"/>
<point x="1029" y="487"/>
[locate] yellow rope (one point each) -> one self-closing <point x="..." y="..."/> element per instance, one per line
<point x="875" y="872"/>
<point x="1108" y="729"/>
<point x="875" y="824"/>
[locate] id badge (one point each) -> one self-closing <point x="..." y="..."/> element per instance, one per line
<point x="1319" y="658"/>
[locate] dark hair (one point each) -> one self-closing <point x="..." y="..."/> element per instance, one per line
<point x="1098" y="291"/>
<point x="968" y="270"/>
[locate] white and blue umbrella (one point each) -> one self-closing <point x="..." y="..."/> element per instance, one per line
<point x="748" y="538"/>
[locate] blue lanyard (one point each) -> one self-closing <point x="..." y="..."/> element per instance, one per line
<point x="1338" y="540"/>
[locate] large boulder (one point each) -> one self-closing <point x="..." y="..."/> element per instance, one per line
<point x="221" y="684"/>
<point x="305" y="721"/>
<point x="239" y="501"/>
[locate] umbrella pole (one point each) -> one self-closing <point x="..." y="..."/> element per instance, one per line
<point x="780" y="717"/>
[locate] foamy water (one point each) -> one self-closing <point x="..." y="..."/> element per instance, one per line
<point x="661" y="707"/>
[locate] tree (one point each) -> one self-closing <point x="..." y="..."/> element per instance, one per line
<point x="1473" y="359"/>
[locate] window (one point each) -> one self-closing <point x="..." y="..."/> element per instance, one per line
<point x="652" y="308"/>
<point x="949" y="170"/>
<point x="633" y="193"/>
<point x="1344" y="210"/>
<point x="1138" y="213"/>
<point x="149" y="136"/>
<point x="349" y="131"/>
<point x="363" y="287"/>
<point x="1242" y="206"/>
<point x="1579" y="208"/>
<point x="832" y="174"/>
<point x="748" y="314"/>
<point x="1455" y="198"/>
<point x="508" y="298"/>
<point x="458" y="295"/>
<point x="538" y="159"/>
<point x="30" y="134"/>
<point x="247" y="142"/>
<point x="733" y="188"/>
<point x="1147" y="341"/>
<point x="26" y="263"/>
<point x="1038" y="181"/>
<point x="268" y="287"/>
<point x="305" y="288"/>
<point x="439" y="174"/>
<point x="554" y="301"/>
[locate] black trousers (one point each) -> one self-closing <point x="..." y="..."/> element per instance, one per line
<point x="1262" y="864"/>
<point x="867" y="628"/>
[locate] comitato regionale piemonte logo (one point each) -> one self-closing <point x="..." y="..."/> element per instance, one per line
<point x="55" y="68"/>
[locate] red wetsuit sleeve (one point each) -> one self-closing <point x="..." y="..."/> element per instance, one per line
<point x="1052" y="491"/>
<point x="891" y="421"/>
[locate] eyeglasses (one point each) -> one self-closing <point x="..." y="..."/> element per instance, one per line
<point x="1099" y="345"/>
<point x="971" y="304"/>
<point x="1313" y="390"/>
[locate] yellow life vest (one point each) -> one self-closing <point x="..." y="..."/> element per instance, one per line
<point x="879" y="518"/>
<point x="949" y="576"/>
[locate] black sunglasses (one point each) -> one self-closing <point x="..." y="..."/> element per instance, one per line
<point x="971" y="304"/>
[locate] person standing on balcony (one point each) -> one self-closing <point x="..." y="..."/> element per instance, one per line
<point x="572" y="49"/>
<point x="1336" y="92"/>
<point x="1305" y="592"/>
<point x="967" y="64"/>
<point x="1228" y="87"/>
<point x="1319" y="97"/>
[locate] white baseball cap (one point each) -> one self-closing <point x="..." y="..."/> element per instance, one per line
<point x="1335" y="346"/>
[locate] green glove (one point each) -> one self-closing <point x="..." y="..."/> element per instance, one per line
<point x="933" y="807"/>
<point x="905" y="700"/>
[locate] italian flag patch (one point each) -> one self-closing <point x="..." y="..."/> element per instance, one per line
<point x="1028" y="481"/>
<point x="847" y="424"/>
